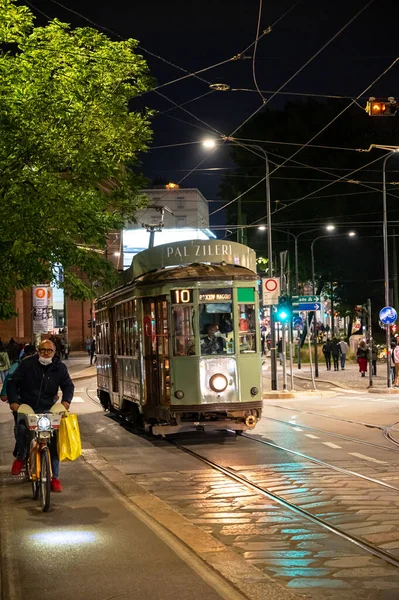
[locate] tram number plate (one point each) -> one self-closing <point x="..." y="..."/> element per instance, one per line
<point x="182" y="296"/>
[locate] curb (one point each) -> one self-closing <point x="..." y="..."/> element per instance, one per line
<point x="277" y="395"/>
<point x="374" y="390"/>
<point x="233" y="568"/>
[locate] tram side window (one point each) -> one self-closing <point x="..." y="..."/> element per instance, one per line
<point x="247" y="328"/>
<point x="184" y="338"/>
<point x="217" y="328"/>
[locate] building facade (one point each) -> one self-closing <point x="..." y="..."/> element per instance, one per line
<point x="186" y="217"/>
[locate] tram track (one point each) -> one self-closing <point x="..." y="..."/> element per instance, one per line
<point x="322" y="462"/>
<point x="324" y="524"/>
<point x="347" y="438"/>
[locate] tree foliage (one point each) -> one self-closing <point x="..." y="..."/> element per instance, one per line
<point x="69" y="145"/>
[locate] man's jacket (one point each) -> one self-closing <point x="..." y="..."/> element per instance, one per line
<point x="37" y="385"/>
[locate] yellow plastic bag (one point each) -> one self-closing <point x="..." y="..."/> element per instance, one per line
<point x="69" y="442"/>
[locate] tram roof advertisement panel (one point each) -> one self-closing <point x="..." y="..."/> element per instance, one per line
<point x="194" y="251"/>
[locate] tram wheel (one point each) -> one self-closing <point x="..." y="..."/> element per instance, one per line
<point x="238" y="431"/>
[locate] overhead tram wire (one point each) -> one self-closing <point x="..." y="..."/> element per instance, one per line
<point x="319" y="133"/>
<point x="255" y="51"/>
<point x="304" y="65"/>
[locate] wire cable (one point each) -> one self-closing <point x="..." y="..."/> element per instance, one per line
<point x="255" y="51"/>
<point x="315" y="55"/>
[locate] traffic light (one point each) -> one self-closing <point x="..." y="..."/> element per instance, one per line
<point x="91" y="323"/>
<point x="284" y="309"/>
<point x="381" y="108"/>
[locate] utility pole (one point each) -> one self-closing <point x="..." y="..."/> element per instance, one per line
<point x="332" y="306"/>
<point x="395" y="273"/>
<point x="370" y="337"/>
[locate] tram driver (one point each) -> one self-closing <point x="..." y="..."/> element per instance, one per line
<point x="213" y="342"/>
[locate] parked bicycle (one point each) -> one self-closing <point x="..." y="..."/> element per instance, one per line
<point x="38" y="462"/>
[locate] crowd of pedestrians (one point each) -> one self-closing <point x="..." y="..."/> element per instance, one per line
<point x="337" y="350"/>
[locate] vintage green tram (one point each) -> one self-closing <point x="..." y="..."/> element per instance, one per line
<point x="178" y="343"/>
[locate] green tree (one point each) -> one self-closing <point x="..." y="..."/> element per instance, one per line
<point x="69" y="147"/>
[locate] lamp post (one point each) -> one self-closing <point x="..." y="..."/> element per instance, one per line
<point x="329" y="228"/>
<point x="210" y="144"/>
<point x="392" y="150"/>
<point x="296" y="238"/>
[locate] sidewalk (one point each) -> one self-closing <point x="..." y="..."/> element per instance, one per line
<point x="79" y="367"/>
<point x="350" y="378"/>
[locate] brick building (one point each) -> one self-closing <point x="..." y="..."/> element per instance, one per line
<point x="190" y="220"/>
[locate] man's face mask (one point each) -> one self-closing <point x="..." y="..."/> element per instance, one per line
<point x="45" y="360"/>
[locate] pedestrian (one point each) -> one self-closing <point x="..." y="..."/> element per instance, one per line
<point x="4" y="363"/>
<point x="280" y="350"/>
<point x="344" y="349"/>
<point x="93" y="357"/>
<point x="395" y="355"/>
<point x="327" y="353"/>
<point x="13" y="350"/>
<point x="335" y="351"/>
<point x="88" y="344"/>
<point x="361" y="355"/>
<point x="26" y="387"/>
<point x="374" y="356"/>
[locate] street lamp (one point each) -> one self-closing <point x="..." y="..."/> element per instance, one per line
<point x="392" y="150"/>
<point x="349" y="234"/>
<point x="209" y="144"/>
<point x="296" y="237"/>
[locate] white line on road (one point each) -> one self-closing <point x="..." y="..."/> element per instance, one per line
<point x="297" y="429"/>
<point x="77" y="399"/>
<point x="314" y="437"/>
<point x="100" y="429"/>
<point x="331" y="445"/>
<point x="339" y="406"/>
<point x="369" y="458"/>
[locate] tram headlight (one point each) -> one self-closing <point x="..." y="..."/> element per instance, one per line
<point x="254" y="391"/>
<point x="44" y="424"/>
<point x="218" y="382"/>
<point x="179" y="394"/>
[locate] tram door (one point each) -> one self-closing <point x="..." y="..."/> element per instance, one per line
<point x="113" y="350"/>
<point x="156" y="350"/>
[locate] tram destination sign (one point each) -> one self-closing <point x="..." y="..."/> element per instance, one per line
<point x="192" y="251"/>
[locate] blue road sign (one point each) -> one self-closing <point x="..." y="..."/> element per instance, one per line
<point x="306" y="306"/>
<point x="297" y="323"/>
<point x="388" y="315"/>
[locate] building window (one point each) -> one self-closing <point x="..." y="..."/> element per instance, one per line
<point x="180" y="202"/>
<point x="181" y="221"/>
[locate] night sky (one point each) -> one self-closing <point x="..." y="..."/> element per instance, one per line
<point x="199" y="34"/>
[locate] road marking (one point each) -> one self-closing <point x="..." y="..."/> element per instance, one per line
<point x="331" y="445"/>
<point x="339" y="406"/>
<point x="369" y="458"/>
<point x="77" y="399"/>
<point x="314" y="437"/>
<point x="297" y="429"/>
<point x="100" y="429"/>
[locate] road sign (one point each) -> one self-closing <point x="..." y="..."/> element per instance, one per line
<point x="270" y="290"/>
<point x="388" y="315"/>
<point x="307" y="306"/>
<point x="297" y="299"/>
<point x="297" y="323"/>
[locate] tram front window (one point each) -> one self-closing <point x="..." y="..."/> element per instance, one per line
<point x="216" y="326"/>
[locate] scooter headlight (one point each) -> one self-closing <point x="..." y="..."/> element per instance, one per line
<point x="44" y="424"/>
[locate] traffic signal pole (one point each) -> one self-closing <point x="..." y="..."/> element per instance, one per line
<point x="284" y="348"/>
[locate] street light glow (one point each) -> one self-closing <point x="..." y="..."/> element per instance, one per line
<point x="352" y="233"/>
<point x="209" y="144"/>
<point x="330" y="227"/>
<point x="262" y="227"/>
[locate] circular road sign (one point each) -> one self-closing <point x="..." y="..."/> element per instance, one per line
<point x="271" y="285"/>
<point x="388" y="315"/>
<point x="298" y="323"/>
